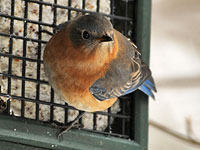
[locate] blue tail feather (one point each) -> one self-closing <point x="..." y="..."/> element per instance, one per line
<point x="146" y="90"/>
<point x="150" y="85"/>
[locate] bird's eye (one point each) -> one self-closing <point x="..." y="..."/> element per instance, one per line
<point x="85" y="35"/>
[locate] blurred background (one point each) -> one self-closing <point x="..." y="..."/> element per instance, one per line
<point x="175" y="63"/>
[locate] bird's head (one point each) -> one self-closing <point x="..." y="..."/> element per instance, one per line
<point x="91" y="31"/>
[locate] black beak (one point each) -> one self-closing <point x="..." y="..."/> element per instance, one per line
<point x="106" y="38"/>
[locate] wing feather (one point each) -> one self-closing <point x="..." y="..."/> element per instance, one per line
<point x="126" y="74"/>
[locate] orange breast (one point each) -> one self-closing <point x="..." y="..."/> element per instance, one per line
<point x="72" y="72"/>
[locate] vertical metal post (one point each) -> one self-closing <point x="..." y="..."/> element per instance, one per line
<point x="143" y="27"/>
<point x="142" y="40"/>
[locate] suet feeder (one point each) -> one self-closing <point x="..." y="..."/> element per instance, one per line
<point x="29" y="105"/>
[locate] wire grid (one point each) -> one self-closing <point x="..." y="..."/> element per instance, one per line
<point x="121" y="17"/>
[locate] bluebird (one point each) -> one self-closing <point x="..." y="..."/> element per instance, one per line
<point x="90" y="64"/>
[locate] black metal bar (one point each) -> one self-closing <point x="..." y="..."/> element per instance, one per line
<point x="10" y="47"/>
<point x="24" y="55"/>
<point x="20" y="57"/>
<point x="38" y="64"/>
<point x="21" y="37"/>
<point x="83" y="4"/>
<point x="25" y="20"/>
<point x="109" y="122"/>
<point x="98" y="5"/>
<point x="8" y="106"/>
<point x="79" y="10"/>
<point x="66" y="115"/>
<point x="24" y="78"/>
<point x="80" y="120"/>
<point x="69" y="11"/>
<point x="52" y="106"/>
<point x="94" y="121"/>
<point x="54" y="16"/>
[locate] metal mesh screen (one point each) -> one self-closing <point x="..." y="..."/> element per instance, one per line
<point x="21" y="74"/>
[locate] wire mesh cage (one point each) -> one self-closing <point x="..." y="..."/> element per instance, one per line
<point x="24" y="87"/>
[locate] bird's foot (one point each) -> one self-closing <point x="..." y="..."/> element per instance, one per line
<point x="69" y="125"/>
<point x="66" y="128"/>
